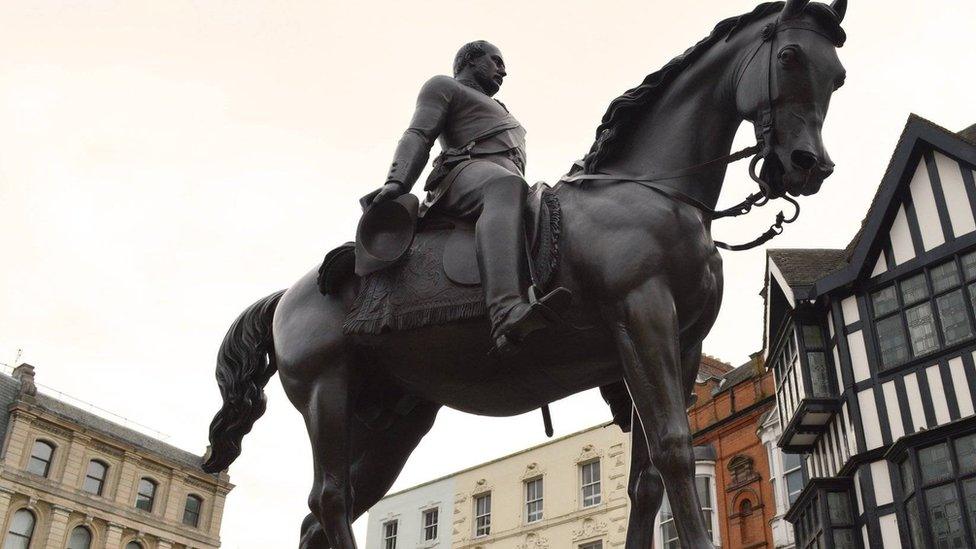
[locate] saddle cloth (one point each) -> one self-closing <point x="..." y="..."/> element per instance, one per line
<point x="437" y="281"/>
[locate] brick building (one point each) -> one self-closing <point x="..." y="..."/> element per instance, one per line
<point x="728" y="417"/>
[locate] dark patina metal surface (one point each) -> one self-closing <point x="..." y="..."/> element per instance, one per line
<point x="643" y="266"/>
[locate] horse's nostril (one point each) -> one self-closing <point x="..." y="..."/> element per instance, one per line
<point x="803" y="160"/>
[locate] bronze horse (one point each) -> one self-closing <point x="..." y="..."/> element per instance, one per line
<point x="648" y="293"/>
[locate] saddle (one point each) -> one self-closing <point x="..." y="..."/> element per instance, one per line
<point x="438" y="281"/>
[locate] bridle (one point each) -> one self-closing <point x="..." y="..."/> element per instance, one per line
<point x="762" y="150"/>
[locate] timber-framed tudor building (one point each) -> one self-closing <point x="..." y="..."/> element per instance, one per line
<point x="872" y="349"/>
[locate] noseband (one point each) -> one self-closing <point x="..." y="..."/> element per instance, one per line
<point x="760" y="151"/>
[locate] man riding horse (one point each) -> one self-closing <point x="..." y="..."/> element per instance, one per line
<point x="477" y="177"/>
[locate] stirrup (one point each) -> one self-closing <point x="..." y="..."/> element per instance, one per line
<point x="544" y="312"/>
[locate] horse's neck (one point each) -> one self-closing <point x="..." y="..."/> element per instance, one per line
<point x="694" y="121"/>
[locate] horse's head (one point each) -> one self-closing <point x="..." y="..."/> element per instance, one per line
<point x="784" y="88"/>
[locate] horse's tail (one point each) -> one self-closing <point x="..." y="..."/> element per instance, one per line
<point x="245" y="363"/>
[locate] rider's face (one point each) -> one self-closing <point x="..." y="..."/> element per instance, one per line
<point x="489" y="70"/>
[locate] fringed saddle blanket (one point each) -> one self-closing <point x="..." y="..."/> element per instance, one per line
<point x="417" y="291"/>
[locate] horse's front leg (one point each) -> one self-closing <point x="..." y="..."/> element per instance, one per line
<point x="646" y="491"/>
<point x="645" y="326"/>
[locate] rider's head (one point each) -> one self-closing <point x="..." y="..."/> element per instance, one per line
<point x="481" y="62"/>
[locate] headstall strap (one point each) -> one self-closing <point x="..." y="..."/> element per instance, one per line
<point x="760" y="151"/>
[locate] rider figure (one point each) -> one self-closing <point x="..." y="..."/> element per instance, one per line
<point x="478" y="177"/>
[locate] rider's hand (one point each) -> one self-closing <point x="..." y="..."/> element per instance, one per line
<point x="388" y="191"/>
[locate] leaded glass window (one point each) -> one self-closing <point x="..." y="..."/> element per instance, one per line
<point x="966" y="453"/>
<point x="921" y="329"/>
<point x="844" y="538"/>
<point x="892" y="341"/>
<point x="914" y="524"/>
<point x="939" y="493"/>
<point x="944" y="276"/>
<point x="954" y="317"/>
<point x="945" y="516"/>
<point x="969" y="494"/>
<point x="885" y="301"/>
<point x="839" y="507"/>
<point x="925" y="312"/>
<point x="934" y="463"/>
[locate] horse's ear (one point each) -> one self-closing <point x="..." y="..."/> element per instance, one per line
<point x="794" y="8"/>
<point x="840" y="8"/>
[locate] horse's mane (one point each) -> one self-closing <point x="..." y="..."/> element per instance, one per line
<point x="617" y="122"/>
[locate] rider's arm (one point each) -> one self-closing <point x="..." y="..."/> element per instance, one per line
<point x="428" y="121"/>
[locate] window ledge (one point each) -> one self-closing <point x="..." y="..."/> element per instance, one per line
<point x="800" y="437"/>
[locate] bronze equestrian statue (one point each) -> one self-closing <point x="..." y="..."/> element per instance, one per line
<point x="635" y="249"/>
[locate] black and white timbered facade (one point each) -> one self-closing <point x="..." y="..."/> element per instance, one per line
<point x="873" y="352"/>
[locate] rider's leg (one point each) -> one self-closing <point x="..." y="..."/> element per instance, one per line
<point x="500" y="237"/>
<point x="494" y="197"/>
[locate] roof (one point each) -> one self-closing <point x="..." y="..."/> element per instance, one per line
<point x="9" y="389"/>
<point x="883" y="204"/>
<point x="740" y="374"/>
<point x="705" y="452"/>
<point x="969" y="134"/>
<point x="804" y="267"/>
<point x="712" y="367"/>
<point x="820" y="271"/>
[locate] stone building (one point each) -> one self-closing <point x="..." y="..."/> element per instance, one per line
<point x="571" y="492"/>
<point x="872" y="347"/>
<point x="71" y="479"/>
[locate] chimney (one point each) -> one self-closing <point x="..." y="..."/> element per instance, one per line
<point x="25" y="375"/>
<point x="969" y="134"/>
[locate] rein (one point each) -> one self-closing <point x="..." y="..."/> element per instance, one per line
<point x="759" y="151"/>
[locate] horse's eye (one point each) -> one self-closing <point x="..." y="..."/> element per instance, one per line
<point x="788" y="55"/>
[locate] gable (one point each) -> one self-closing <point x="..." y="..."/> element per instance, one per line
<point x="926" y="204"/>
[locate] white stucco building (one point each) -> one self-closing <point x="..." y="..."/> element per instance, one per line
<point x="569" y="493"/>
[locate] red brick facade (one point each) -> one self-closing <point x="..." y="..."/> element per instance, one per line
<point x="727" y="417"/>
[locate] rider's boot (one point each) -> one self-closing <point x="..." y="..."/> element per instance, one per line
<point x="500" y="237"/>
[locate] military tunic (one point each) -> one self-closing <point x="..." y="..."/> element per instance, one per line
<point x="480" y="141"/>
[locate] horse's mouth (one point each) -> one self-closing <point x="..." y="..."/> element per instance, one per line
<point x="794" y="182"/>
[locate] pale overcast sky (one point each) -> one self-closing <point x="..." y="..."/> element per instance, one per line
<point x="165" y="163"/>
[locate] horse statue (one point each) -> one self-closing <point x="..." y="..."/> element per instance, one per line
<point x="635" y="248"/>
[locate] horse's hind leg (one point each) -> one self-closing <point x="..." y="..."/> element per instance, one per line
<point x="327" y="418"/>
<point x="378" y="457"/>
